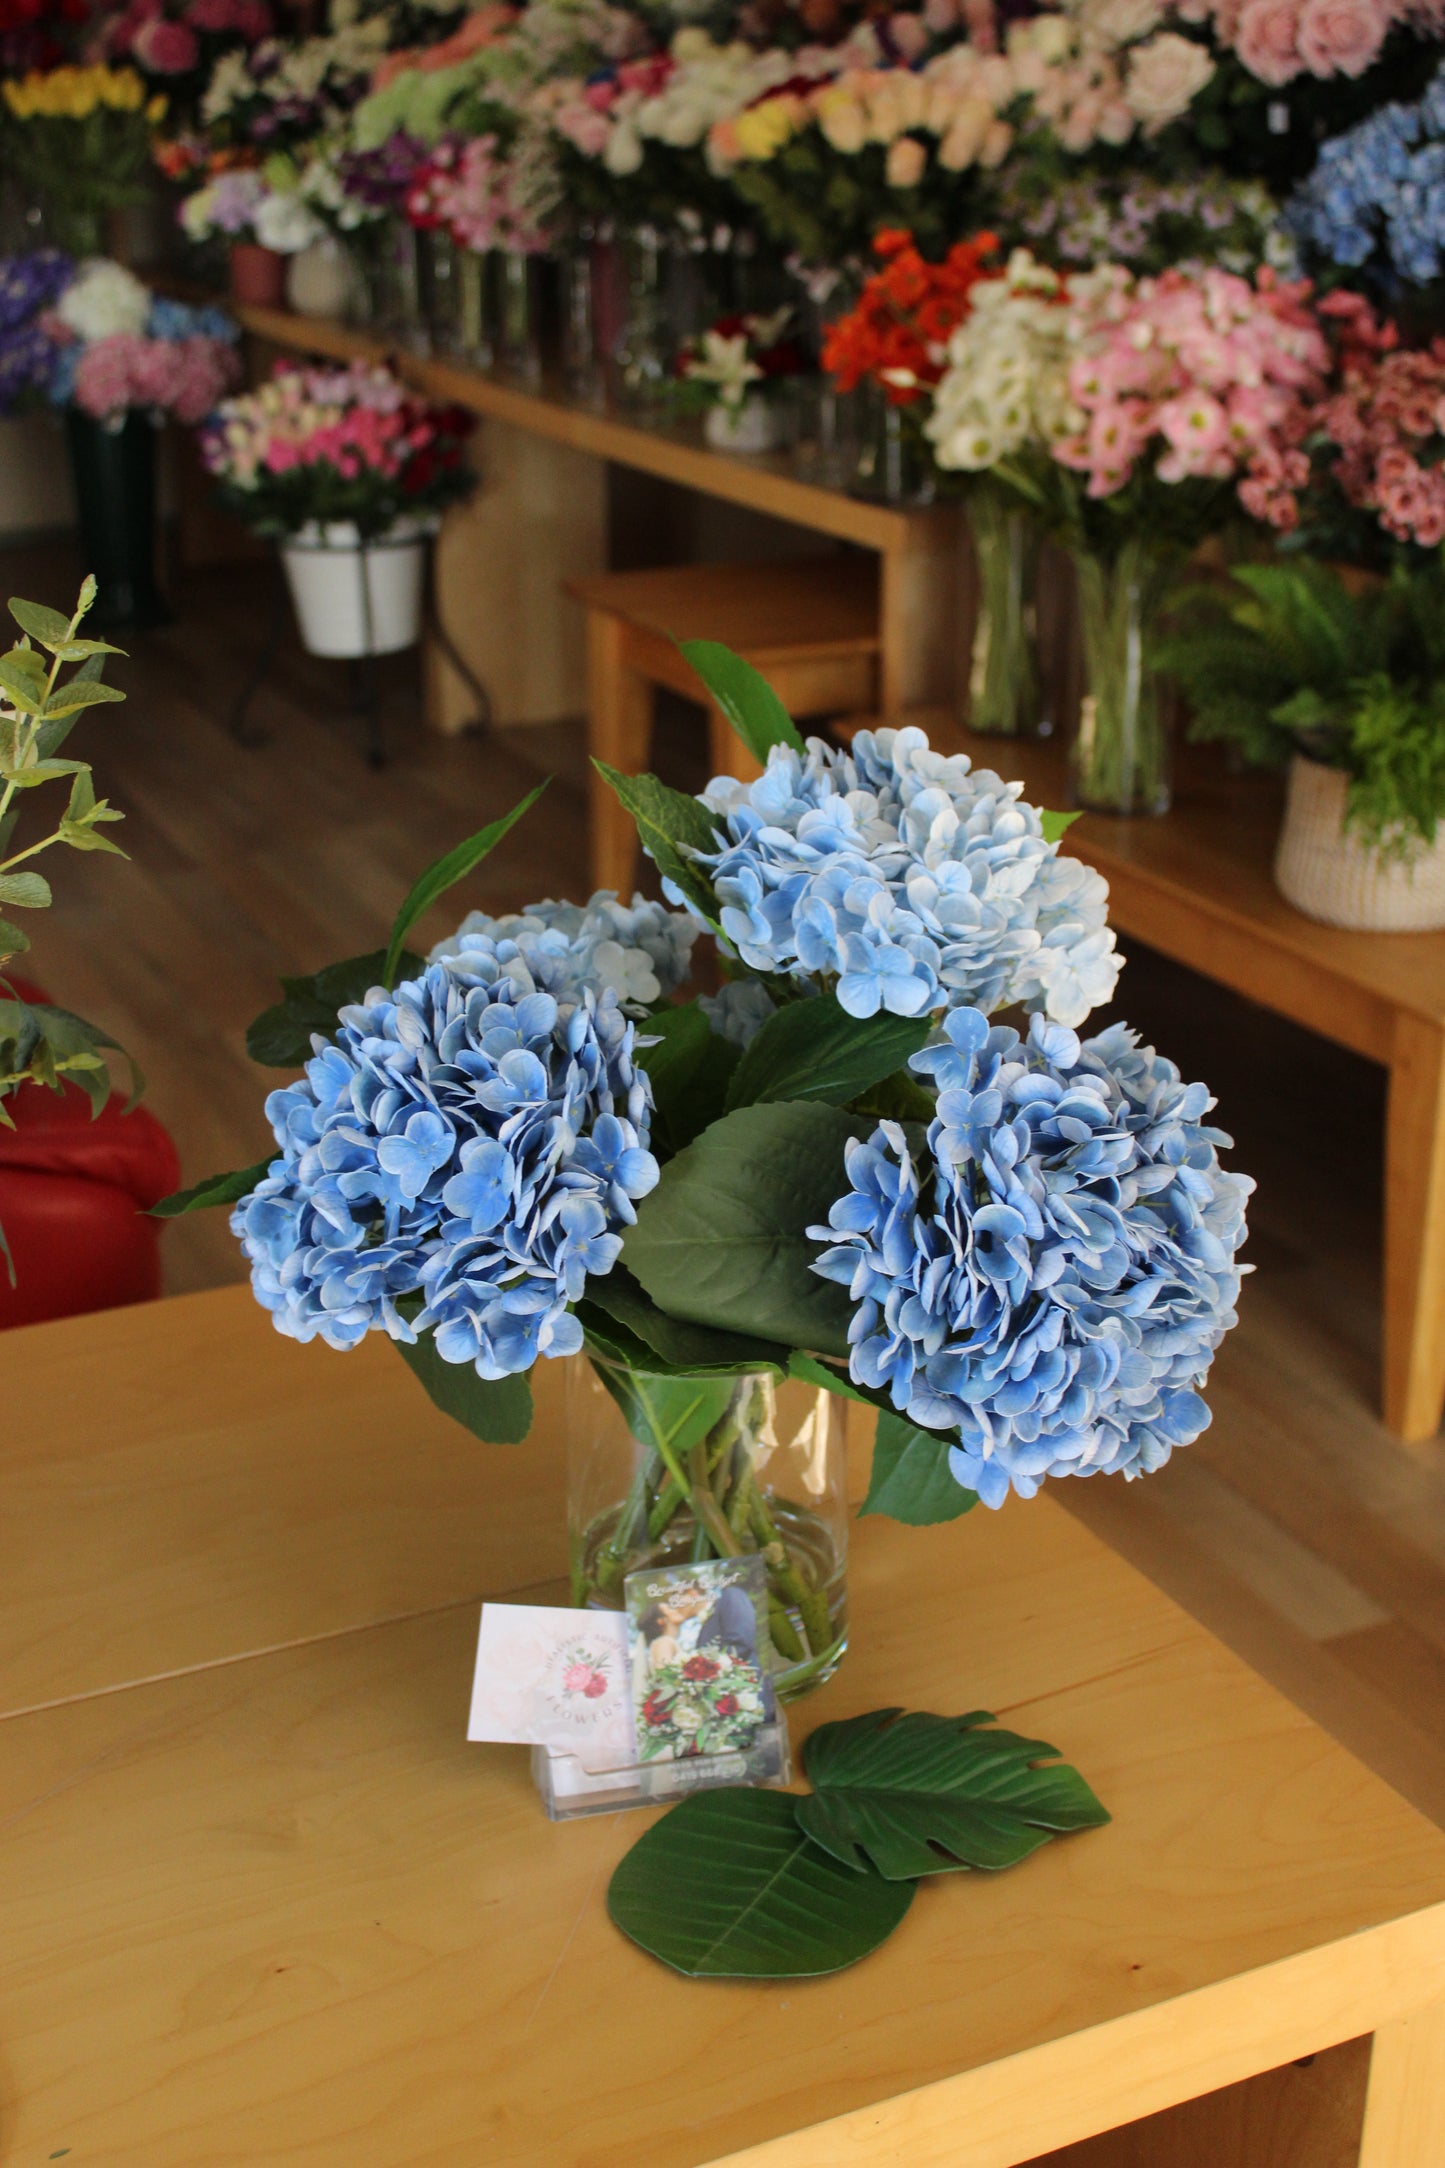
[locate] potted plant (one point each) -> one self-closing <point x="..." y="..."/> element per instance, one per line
<point x="349" y="472"/>
<point x="125" y="359"/>
<point x="738" y="373"/>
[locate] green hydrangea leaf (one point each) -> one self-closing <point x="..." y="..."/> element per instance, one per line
<point x="815" y="1050"/>
<point x="1055" y="825"/>
<point x="745" y="697"/>
<point x="444" y="874"/>
<point x="667" y="820"/>
<point x="280" y="1037"/>
<point x="498" y="1411"/>
<point x="911" y="1480"/>
<point x="217" y="1189"/>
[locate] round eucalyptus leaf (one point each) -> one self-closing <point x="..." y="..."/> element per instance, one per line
<point x="726" y="1886"/>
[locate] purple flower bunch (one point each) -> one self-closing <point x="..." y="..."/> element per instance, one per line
<point x="382" y="177"/>
<point x="29" y="285"/>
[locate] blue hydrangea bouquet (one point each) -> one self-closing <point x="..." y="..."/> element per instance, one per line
<point x="1016" y="1243"/>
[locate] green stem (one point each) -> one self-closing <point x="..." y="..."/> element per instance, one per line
<point x="810" y="1604"/>
<point x="612" y="1557"/>
<point x="709" y="1513"/>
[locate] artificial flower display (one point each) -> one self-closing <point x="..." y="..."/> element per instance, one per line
<point x="1046" y="1278"/>
<point x="897" y="334"/>
<point x="332" y="445"/>
<point x="739" y="358"/>
<point x="1023" y="1251"/>
<point x="251" y="203"/>
<point x="1374" y="200"/>
<point x="29" y="285"/>
<point x="78" y="140"/>
<point x="118" y="348"/>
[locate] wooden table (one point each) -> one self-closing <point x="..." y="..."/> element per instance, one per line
<point x="1198" y="886"/>
<point x="262" y="1903"/>
<point x="920" y="593"/>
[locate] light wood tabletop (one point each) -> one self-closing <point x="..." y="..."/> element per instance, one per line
<point x="264" y="1904"/>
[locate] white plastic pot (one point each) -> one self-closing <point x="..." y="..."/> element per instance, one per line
<point x="333" y="579"/>
<point x="1324" y="869"/>
<point x="755" y="426"/>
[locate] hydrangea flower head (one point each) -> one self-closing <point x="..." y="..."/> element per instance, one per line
<point x="910" y="879"/>
<point x="641" y="950"/>
<point x="1050" y="1274"/>
<point x="469" y="1139"/>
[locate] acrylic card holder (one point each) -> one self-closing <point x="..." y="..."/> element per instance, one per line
<point x="568" y="1789"/>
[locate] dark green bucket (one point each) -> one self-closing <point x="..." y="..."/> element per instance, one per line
<point x="115" y="495"/>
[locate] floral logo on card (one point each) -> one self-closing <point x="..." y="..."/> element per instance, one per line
<point x="579" y="1678"/>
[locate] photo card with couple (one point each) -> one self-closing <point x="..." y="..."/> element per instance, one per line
<point x="701" y="1660"/>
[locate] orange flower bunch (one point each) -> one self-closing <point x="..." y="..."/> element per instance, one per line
<point x="898" y="333"/>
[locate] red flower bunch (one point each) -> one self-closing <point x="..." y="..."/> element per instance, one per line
<point x="1386" y="423"/>
<point x="699" y="1669"/>
<point x="656" y="1708"/>
<point x="898" y="333"/>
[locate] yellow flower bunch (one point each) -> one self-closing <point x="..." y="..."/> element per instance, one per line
<point x="71" y="93"/>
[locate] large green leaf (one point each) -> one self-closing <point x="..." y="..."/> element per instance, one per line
<point x="815" y="1050"/>
<point x="217" y="1189"/>
<point x="499" y="1411"/>
<point x="669" y="1414"/>
<point x="723" y="1238"/>
<point x="689" y="1066"/>
<point x="745" y="697"/>
<point x="443" y="874"/>
<point x="726" y="1886"/>
<point x="280" y="1037"/>
<point x="911" y="1480"/>
<point x="690" y="1349"/>
<point x="917" y="1794"/>
<point x="666" y="820"/>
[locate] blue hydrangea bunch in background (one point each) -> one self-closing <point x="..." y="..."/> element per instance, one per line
<point x="469" y="1139"/>
<point x="641" y="950"/>
<point x="1050" y="1275"/>
<point x="1377" y="193"/>
<point x="29" y="284"/>
<point x="907" y="881"/>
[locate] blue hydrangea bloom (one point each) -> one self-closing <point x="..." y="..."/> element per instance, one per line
<point x="641" y="950"/>
<point x="470" y="1138"/>
<point x="1050" y="1275"/>
<point x="738" y="1010"/>
<point x="1377" y="192"/>
<point x="908" y="880"/>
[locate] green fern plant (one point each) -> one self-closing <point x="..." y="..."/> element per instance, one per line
<point x="1290" y="658"/>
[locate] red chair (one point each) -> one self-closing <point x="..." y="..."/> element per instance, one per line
<point x="74" y="1193"/>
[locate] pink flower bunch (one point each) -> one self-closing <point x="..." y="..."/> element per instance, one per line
<point x="477" y="196"/>
<point x="166" y="41"/>
<point x="357" y="422"/>
<point x="1278" y="40"/>
<point x="180" y="377"/>
<point x="1386" y="423"/>
<point x="1207" y="376"/>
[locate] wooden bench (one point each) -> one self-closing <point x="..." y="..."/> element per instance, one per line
<point x="811" y="628"/>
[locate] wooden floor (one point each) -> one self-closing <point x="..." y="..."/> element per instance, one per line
<point x="1297" y="1528"/>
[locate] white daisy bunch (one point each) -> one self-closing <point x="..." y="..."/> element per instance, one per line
<point x="1006" y="387"/>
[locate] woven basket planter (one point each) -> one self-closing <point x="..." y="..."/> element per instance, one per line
<point x="1324" y="870"/>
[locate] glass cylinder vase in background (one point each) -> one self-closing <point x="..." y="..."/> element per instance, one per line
<point x="643" y="353"/>
<point x="895" y="464"/>
<point x="474" y="317"/>
<point x="668" y="1470"/>
<point x="1121" y="756"/>
<point x="582" y="365"/>
<point x="1003" y="678"/>
<point x="518" y="344"/>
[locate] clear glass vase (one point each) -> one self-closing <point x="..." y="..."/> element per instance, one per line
<point x="582" y="370"/>
<point x="474" y="318"/>
<point x="894" y="463"/>
<point x="665" y="1471"/>
<point x="437" y="291"/>
<point x="1003" y="679"/>
<point x="643" y="354"/>
<point x="519" y="316"/>
<point x="1121" y="755"/>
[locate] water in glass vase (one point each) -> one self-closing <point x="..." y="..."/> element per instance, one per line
<point x="667" y="1470"/>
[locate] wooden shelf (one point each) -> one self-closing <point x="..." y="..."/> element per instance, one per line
<point x="673" y="451"/>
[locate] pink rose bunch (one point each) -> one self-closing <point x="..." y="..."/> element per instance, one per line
<point x="478" y="196"/>
<point x="1279" y="40"/>
<point x="167" y="41"/>
<point x="1196" y="376"/>
<point x="1386" y="424"/>
<point x="356" y="421"/>
<point x="180" y="377"/>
